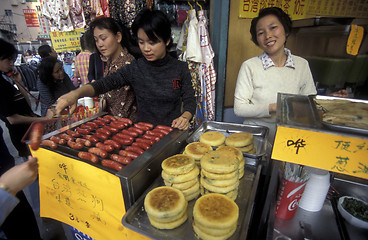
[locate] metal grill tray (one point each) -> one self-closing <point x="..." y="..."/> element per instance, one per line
<point x="336" y="127"/>
<point x="136" y="218"/>
<point x="260" y="134"/>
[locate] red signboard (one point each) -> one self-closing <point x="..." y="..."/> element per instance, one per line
<point x="30" y="15"/>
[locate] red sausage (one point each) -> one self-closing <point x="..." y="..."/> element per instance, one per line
<point x="109" y="117"/>
<point x="147" y="141"/>
<point x="126" y="120"/>
<point x="66" y="137"/>
<point x="82" y="130"/>
<point x="121" y="135"/>
<point x="160" y="131"/>
<point x="89" y="128"/>
<point x="103" y="131"/>
<point x="92" y="124"/>
<point x="111" y="129"/>
<point x="72" y="133"/>
<point x="143" y="127"/>
<point x="101" y="136"/>
<point x="98" y="151"/>
<point x="135" y="149"/>
<point x="158" y="134"/>
<point x="112" y="143"/>
<point x="85" y="142"/>
<point x="75" y="145"/>
<point x="151" y="137"/>
<point x="149" y="125"/>
<point x="91" y="138"/>
<point x="103" y="119"/>
<point x="99" y="122"/>
<point x="142" y="145"/>
<point x="130" y="133"/>
<point x="58" y="140"/>
<point x="35" y="135"/>
<point x="112" y="164"/>
<point x="122" y="141"/>
<point x="167" y="128"/>
<point x="107" y="148"/>
<point x="121" y="159"/>
<point x="49" y="143"/>
<point x="88" y="156"/>
<point x="135" y="129"/>
<point x="130" y="154"/>
<point x="118" y="125"/>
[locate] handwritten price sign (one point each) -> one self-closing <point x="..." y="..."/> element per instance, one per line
<point x="66" y="41"/>
<point x="337" y="153"/>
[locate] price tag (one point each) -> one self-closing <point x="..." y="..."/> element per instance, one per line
<point x="332" y="152"/>
<point x="354" y="40"/>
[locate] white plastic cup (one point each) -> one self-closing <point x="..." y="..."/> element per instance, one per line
<point x="88" y="102"/>
<point x="315" y="191"/>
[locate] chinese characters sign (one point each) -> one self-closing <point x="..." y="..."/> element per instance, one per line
<point x="337" y="153"/>
<point x="30" y="15"/>
<point x="354" y="40"/>
<point x="338" y="8"/>
<point x="66" y="41"/>
<point x="80" y="195"/>
<point x="295" y="8"/>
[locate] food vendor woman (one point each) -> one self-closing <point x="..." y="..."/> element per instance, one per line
<point x="162" y="84"/>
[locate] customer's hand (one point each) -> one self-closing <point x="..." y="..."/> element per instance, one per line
<point x="69" y="99"/>
<point x="20" y="176"/>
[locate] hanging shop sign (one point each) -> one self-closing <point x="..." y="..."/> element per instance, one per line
<point x="355" y="39"/>
<point x="30" y="15"/>
<point x="328" y="151"/>
<point x="66" y="41"/>
<point x="338" y="8"/>
<point x="81" y="195"/>
<point x="251" y="8"/>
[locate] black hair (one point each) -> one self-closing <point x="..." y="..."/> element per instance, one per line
<point x="89" y="41"/>
<point x="82" y="42"/>
<point x="45" y="71"/>
<point x="154" y="23"/>
<point x="283" y="17"/>
<point x="114" y="27"/>
<point x="44" y="51"/>
<point x="7" y="50"/>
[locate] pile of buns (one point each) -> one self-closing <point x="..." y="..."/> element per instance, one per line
<point x="166" y="207"/>
<point x="181" y="172"/>
<point x="215" y="216"/>
<point x="196" y="150"/>
<point x="243" y="141"/>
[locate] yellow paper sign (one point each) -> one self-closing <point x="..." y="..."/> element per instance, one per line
<point x="251" y="8"/>
<point x="83" y="196"/>
<point x="354" y="40"/>
<point x="337" y="153"/>
<point x="66" y="41"/>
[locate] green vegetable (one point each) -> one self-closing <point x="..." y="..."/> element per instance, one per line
<point x="356" y="208"/>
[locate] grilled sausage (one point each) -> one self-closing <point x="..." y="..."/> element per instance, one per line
<point x="103" y="120"/>
<point x="92" y="124"/>
<point x="125" y="120"/>
<point x="49" y="143"/>
<point x="82" y="130"/>
<point x="130" y="133"/>
<point x="147" y="141"/>
<point x="91" y="138"/>
<point x="85" y="142"/>
<point x="100" y="136"/>
<point x="98" y="151"/>
<point x="88" y="156"/>
<point x="99" y="122"/>
<point x="75" y="145"/>
<point x="167" y="128"/>
<point x="163" y="131"/>
<point x="151" y="137"/>
<point x="112" y="164"/>
<point x="158" y="134"/>
<point x="103" y="131"/>
<point x="72" y="133"/>
<point x="149" y="125"/>
<point x="36" y="135"/>
<point x="130" y="154"/>
<point x="107" y="148"/>
<point x="121" y="135"/>
<point x="135" y="129"/>
<point x="142" y="145"/>
<point x="84" y="126"/>
<point x="111" y="129"/>
<point x="118" y="125"/>
<point x="135" y="149"/>
<point x="143" y="127"/>
<point x="58" y="140"/>
<point x="121" y="159"/>
<point x="66" y="137"/>
<point x="122" y="141"/>
<point x="113" y="143"/>
<point x="109" y="117"/>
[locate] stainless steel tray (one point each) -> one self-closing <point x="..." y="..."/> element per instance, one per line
<point x="136" y="218"/>
<point x="260" y="134"/>
<point x="336" y="127"/>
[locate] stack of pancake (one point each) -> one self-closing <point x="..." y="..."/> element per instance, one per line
<point x="196" y="150"/>
<point x="220" y="173"/>
<point x="215" y="216"/>
<point x="238" y="154"/>
<point x="181" y="172"/>
<point x="166" y="207"/>
<point x="212" y="138"/>
<point x="241" y="140"/>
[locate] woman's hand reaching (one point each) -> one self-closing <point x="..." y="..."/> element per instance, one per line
<point x="182" y="122"/>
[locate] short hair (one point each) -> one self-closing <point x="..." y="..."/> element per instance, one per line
<point x="277" y="12"/>
<point x="7" y="50"/>
<point x="89" y="41"/>
<point x="82" y="42"/>
<point x="45" y="70"/>
<point x="44" y="51"/>
<point x="154" y="23"/>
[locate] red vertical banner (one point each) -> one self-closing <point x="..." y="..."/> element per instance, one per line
<point x="30" y="15"/>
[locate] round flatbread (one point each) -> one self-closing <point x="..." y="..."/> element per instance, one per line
<point x="205" y="236"/>
<point x="212" y="138"/>
<point x="239" y="139"/>
<point x="197" y="149"/>
<point x="215" y="232"/>
<point x="216" y="189"/>
<point x="215" y="211"/>
<point x="170" y="178"/>
<point x="183" y="185"/>
<point x="191" y="190"/>
<point x="234" y="150"/>
<point x="220" y="183"/>
<point x="170" y="219"/>
<point x="219" y="176"/>
<point x="164" y="202"/>
<point x="219" y="162"/>
<point x="246" y="148"/>
<point x="168" y="225"/>
<point x="178" y="164"/>
<point x="192" y="196"/>
<point x="233" y="194"/>
<point x="241" y="173"/>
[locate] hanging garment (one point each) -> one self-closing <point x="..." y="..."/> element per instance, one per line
<point x="96" y="8"/>
<point x="76" y="14"/>
<point x="182" y="42"/>
<point x="126" y="10"/>
<point x="105" y="7"/>
<point x="206" y="71"/>
<point x="57" y="12"/>
<point x="89" y="13"/>
<point x="194" y="52"/>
